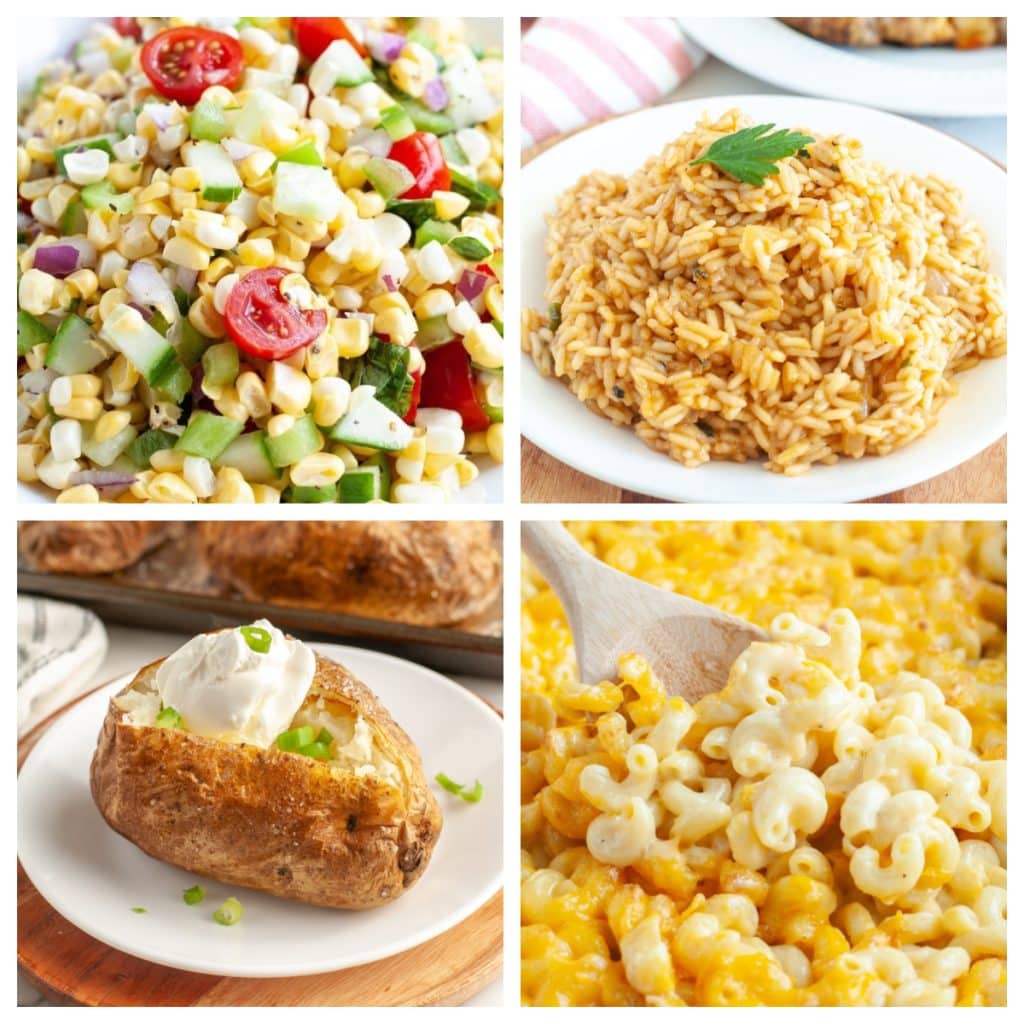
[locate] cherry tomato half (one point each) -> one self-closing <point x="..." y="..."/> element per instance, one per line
<point x="128" y="27"/>
<point x="183" y="62"/>
<point x="448" y="384"/>
<point x="263" y="323"/>
<point x="414" y="398"/>
<point x="420" y="153"/>
<point x="314" y="35"/>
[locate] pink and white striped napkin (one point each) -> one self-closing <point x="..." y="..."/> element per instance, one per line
<point x="575" y="71"/>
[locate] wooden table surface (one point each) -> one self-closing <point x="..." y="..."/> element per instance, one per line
<point x="981" y="479"/>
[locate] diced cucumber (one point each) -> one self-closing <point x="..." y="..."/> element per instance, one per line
<point x="207" y="435"/>
<point x="294" y="444"/>
<point x="495" y="413"/>
<point x="358" y="486"/>
<point x="206" y="122"/>
<point x="479" y="193"/>
<point x="220" y="364"/>
<point x="102" y="195"/>
<point x="434" y="231"/>
<point x="104" y="142"/>
<point x="103" y="453"/>
<point x="371" y="424"/>
<point x="396" y="122"/>
<point x="276" y="82"/>
<point x="305" y="153"/>
<point x="248" y="454"/>
<point x="221" y="182"/>
<point x="470" y="248"/>
<point x="433" y="332"/>
<point x="31" y="332"/>
<point x="175" y="384"/>
<point x="383" y="463"/>
<point x="73" y="349"/>
<point x="143" y="347"/>
<point x="187" y="341"/>
<point x="388" y="177"/>
<point x="140" y="450"/>
<point x="74" y="221"/>
<point x="311" y="495"/>
<point x="339" y="64"/>
<point x="424" y="119"/>
<point x="413" y="211"/>
<point x="308" y="192"/>
<point x="262" y="107"/>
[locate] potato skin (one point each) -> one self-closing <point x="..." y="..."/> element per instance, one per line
<point x="269" y="820"/>
<point x="84" y="548"/>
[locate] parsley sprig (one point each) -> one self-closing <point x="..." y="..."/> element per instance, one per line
<point x="750" y="153"/>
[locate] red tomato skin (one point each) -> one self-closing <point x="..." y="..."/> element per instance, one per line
<point x="420" y="153"/>
<point x="448" y="384"/>
<point x="188" y="89"/>
<point x="259" y="290"/>
<point x="128" y="27"/>
<point x="414" y="401"/>
<point x="314" y="35"/>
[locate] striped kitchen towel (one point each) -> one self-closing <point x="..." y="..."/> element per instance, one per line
<point x="579" y="70"/>
<point x="60" y="647"/>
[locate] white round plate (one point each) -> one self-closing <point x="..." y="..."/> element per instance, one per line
<point x="50" y="38"/>
<point x="556" y="421"/>
<point x="937" y="81"/>
<point x="94" y="877"/>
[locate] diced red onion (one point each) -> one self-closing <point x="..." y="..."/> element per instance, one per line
<point x="385" y="47"/>
<point x="102" y="477"/>
<point x="237" y="149"/>
<point x="159" y="114"/>
<point x="185" y="279"/>
<point x="147" y="287"/>
<point x="375" y="141"/>
<point x="58" y="260"/>
<point x="389" y="283"/>
<point x="435" y="95"/>
<point x="36" y="382"/>
<point x="472" y="284"/>
<point x="147" y="314"/>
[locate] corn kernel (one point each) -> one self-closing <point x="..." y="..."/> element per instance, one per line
<point x="389" y="300"/>
<point x="187" y="253"/>
<point x="264" y="494"/>
<point x="29" y="456"/>
<point x="203" y="316"/>
<point x="398" y="325"/>
<point x="80" y="409"/>
<point x="321" y="358"/>
<point x="256" y="252"/>
<point x="289" y="390"/>
<point x="110" y="424"/>
<point x="318" y="470"/>
<point x="346" y="455"/>
<point x="433" y="302"/>
<point x="352" y="336"/>
<point x="253" y="394"/>
<point x="476" y="443"/>
<point x="188" y="179"/>
<point x="229" y="404"/>
<point x="495" y="302"/>
<point x="123" y="176"/>
<point x="468" y="471"/>
<point x="496" y="441"/>
<point x="169" y="487"/>
<point x="83" y="494"/>
<point x="167" y="460"/>
<point x="220" y="268"/>
<point x="418" y="494"/>
<point x="370" y="204"/>
<point x="37" y="292"/>
<point x="484" y="345"/>
<point x="449" y="205"/>
<point x="330" y="400"/>
<point x="199" y="476"/>
<point x="123" y="376"/>
<point x="280" y="424"/>
<point x="232" y="488"/>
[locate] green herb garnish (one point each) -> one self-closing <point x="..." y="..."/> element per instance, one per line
<point x="295" y="739"/>
<point x="138" y="910"/>
<point x="168" y="718"/>
<point x="471" y="796"/>
<point x="749" y="154"/>
<point x="194" y="895"/>
<point x="554" y="316"/>
<point x="470" y="248"/>
<point x="229" y="912"/>
<point x="257" y="638"/>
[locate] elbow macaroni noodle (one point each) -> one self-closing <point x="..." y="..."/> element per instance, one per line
<point x="828" y="829"/>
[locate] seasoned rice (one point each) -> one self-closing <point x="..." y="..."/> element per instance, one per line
<point x="823" y="313"/>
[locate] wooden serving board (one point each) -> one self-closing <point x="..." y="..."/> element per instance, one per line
<point x="545" y="479"/>
<point x="72" y="968"/>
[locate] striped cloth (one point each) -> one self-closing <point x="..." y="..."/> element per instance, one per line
<point x="60" y="647"/>
<point x="576" y="71"/>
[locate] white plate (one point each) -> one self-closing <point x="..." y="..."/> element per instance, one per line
<point x="939" y="81"/>
<point x="93" y="876"/>
<point x="44" y="39"/>
<point x="556" y="421"/>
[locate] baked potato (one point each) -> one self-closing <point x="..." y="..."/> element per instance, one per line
<point x="353" y="831"/>
<point x="427" y="574"/>
<point x="86" y="549"/>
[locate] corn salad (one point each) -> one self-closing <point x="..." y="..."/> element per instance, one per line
<point x="830" y="829"/>
<point x="261" y="262"/>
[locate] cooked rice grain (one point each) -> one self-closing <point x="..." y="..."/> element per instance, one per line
<point x="821" y="314"/>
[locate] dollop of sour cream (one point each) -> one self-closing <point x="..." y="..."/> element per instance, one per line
<point x="224" y="689"/>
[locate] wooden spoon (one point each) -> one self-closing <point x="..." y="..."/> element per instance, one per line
<point x="690" y="647"/>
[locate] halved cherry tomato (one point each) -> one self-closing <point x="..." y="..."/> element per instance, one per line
<point x="314" y="35"/>
<point x="263" y="323"/>
<point x="414" y="399"/>
<point x="128" y="27"/>
<point x="448" y="384"/>
<point x="482" y="268"/>
<point x="420" y="153"/>
<point x="183" y="62"/>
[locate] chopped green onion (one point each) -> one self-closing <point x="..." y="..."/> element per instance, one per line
<point x="257" y="638"/>
<point x="317" y="751"/>
<point x="138" y="910"/>
<point x="473" y="796"/>
<point x="229" y="912"/>
<point x="168" y="718"/>
<point x="295" y="739"/>
<point x="194" y="895"/>
<point x="325" y="737"/>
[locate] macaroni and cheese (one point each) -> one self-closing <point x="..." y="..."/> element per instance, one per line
<point x="828" y="829"/>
